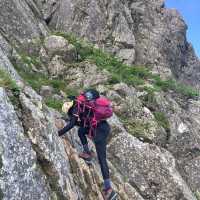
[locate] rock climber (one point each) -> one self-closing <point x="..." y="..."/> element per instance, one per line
<point x="99" y="135"/>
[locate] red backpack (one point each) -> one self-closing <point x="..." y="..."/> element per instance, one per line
<point x="101" y="110"/>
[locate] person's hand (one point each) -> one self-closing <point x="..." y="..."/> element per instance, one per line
<point x="60" y="133"/>
<point x="59" y="123"/>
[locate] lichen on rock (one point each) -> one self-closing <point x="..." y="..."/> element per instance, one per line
<point x="154" y="145"/>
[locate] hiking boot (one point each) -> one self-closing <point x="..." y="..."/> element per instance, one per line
<point x="86" y="156"/>
<point x="109" y="194"/>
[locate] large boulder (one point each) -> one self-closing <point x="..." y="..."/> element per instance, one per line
<point x="84" y="75"/>
<point x="5" y="63"/>
<point x="150" y="169"/>
<point x="46" y="91"/>
<point x="21" y="177"/>
<point x="138" y="119"/>
<point x="102" y="23"/>
<point x="183" y="139"/>
<point x="57" y="45"/>
<point x="56" y="66"/>
<point x="21" y="20"/>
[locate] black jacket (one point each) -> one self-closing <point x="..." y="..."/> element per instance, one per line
<point x="75" y="120"/>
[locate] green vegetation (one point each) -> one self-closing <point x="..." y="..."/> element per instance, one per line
<point x="7" y="82"/>
<point x="30" y="60"/>
<point x="120" y="72"/>
<point x="197" y="194"/>
<point x="171" y="84"/>
<point x="162" y="120"/>
<point x="54" y="103"/>
<point x="137" y="76"/>
<point x="137" y="128"/>
<point x="149" y="99"/>
<point x="36" y="79"/>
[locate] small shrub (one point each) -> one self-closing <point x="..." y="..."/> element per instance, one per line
<point x="136" y="128"/>
<point x="186" y="90"/>
<point x="180" y="88"/>
<point x="162" y="120"/>
<point x="54" y="103"/>
<point x="149" y="100"/>
<point x="114" y="79"/>
<point x="8" y="83"/>
<point x="197" y="194"/>
<point x="30" y="60"/>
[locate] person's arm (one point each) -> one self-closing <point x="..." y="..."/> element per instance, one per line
<point x="69" y="126"/>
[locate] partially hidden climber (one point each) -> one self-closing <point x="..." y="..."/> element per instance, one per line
<point x="89" y="112"/>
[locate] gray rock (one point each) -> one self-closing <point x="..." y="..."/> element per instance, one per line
<point x="82" y="75"/>
<point x="5" y="64"/>
<point x="139" y="32"/>
<point x="47" y="8"/>
<point x="57" y="97"/>
<point x="56" y="66"/>
<point x="51" y="155"/>
<point x="148" y="168"/>
<point x="127" y="56"/>
<point x="69" y="175"/>
<point x="183" y="140"/>
<point x="46" y="91"/>
<point x="57" y="45"/>
<point x="138" y="119"/>
<point x="20" y="22"/>
<point x="100" y="22"/>
<point x="32" y="157"/>
<point x="21" y="177"/>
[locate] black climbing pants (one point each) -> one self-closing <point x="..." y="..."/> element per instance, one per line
<point x="100" y="138"/>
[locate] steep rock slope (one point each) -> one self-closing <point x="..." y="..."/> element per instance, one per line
<point x="139" y="170"/>
<point x="34" y="159"/>
<point x="141" y="32"/>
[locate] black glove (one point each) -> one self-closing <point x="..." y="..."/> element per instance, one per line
<point x="60" y="133"/>
<point x="66" y="119"/>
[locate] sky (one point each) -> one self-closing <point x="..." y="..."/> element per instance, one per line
<point x="190" y="10"/>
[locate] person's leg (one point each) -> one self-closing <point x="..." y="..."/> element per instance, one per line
<point x="86" y="154"/>
<point x="82" y="135"/>
<point x="101" y="154"/>
<point x="100" y="140"/>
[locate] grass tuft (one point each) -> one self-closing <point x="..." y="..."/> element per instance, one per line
<point x="7" y="82"/>
<point x="54" y="103"/>
<point x="120" y="72"/>
<point x="197" y="194"/>
<point x="162" y="120"/>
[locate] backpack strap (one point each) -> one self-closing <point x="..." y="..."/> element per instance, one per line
<point x="93" y="126"/>
<point x="78" y="102"/>
<point x="90" y="119"/>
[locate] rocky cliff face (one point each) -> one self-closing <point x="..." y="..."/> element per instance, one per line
<point x="151" y="155"/>
<point x="141" y="32"/>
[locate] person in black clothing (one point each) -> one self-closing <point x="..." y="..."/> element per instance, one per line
<point x="100" y="139"/>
